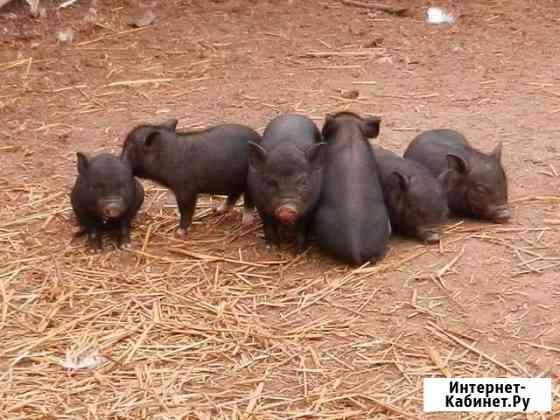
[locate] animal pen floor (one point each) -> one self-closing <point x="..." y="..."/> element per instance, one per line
<point x="216" y="327"/>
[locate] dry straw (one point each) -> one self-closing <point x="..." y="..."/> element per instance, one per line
<point x="216" y="327"/>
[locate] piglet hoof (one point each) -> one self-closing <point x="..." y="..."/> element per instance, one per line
<point x="375" y="259"/>
<point x="181" y="233"/>
<point x="94" y="245"/>
<point x="248" y="218"/>
<point x="432" y="240"/>
<point x="222" y="208"/>
<point x="78" y="231"/>
<point x="126" y="246"/>
<point x="300" y="248"/>
<point x="93" y="250"/>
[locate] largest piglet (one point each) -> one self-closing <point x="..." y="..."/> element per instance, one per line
<point x="475" y="183"/>
<point x="351" y="222"/>
<point x="285" y="176"/>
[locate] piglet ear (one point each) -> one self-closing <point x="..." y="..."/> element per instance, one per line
<point x="125" y="159"/>
<point x="170" y="124"/>
<point x="257" y="157"/>
<point x="83" y="163"/>
<point x="442" y="178"/>
<point x="315" y="155"/>
<point x="457" y="163"/>
<point x="370" y="127"/>
<point x="152" y="138"/>
<point x="497" y="152"/>
<point x="328" y="126"/>
<point x="402" y="179"/>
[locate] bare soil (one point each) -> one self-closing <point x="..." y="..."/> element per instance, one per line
<point x="216" y="326"/>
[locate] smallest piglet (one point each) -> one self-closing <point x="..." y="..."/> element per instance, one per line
<point x="414" y="197"/>
<point x="105" y="196"/>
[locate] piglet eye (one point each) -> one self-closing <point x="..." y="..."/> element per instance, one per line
<point x="272" y="183"/>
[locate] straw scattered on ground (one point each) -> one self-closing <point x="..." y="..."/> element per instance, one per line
<point x="216" y="326"/>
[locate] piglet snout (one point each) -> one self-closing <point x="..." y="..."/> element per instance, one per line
<point x="501" y="214"/>
<point x="113" y="209"/>
<point x="286" y="214"/>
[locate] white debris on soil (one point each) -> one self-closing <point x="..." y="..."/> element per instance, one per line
<point x="437" y="15"/>
<point x="349" y="94"/>
<point x="36" y="10"/>
<point x="65" y="36"/>
<point x="91" y="15"/>
<point x="77" y="360"/>
<point x="145" y="18"/>
<point x="34" y="6"/>
<point x="67" y="3"/>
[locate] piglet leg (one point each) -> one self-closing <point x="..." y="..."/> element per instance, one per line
<point x="187" y="204"/>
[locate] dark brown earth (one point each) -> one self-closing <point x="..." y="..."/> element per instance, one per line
<point x="215" y="326"/>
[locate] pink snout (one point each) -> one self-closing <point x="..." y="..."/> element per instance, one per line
<point x="113" y="210"/>
<point x="286" y="214"/>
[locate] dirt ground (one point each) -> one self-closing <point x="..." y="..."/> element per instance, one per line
<point x="216" y="326"/>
